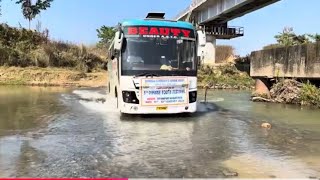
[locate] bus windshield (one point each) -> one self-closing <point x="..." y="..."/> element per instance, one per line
<point x="164" y="56"/>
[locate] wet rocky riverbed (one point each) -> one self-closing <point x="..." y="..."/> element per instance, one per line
<point x="56" y="132"/>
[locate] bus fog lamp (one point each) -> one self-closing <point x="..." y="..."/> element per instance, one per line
<point x="130" y="97"/>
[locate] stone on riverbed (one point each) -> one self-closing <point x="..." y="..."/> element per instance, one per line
<point x="229" y="173"/>
<point x="266" y="125"/>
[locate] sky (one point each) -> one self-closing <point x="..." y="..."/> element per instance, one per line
<point x="77" y="20"/>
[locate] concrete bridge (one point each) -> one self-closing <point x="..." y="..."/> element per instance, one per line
<point x="212" y="16"/>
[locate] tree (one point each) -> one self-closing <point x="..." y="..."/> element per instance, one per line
<point x="105" y="34"/>
<point x="315" y="37"/>
<point x="301" y="39"/>
<point x="289" y="38"/>
<point x="30" y="10"/>
<point x="286" y="38"/>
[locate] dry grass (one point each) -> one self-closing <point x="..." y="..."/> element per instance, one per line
<point x="23" y="48"/>
<point x="51" y="77"/>
<point x="223" y="53"/>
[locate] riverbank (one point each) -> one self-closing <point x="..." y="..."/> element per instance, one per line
<point x="225" y="76"/>
<point x="289" y="91"/>
<point x="35" y="76"/>
<point x="219" y="77"/>
<point x="21" y="47"/>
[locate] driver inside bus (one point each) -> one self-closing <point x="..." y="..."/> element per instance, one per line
<point x="165" y="65"/>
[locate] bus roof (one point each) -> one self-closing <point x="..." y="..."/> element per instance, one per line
<point x="155" y="22"/>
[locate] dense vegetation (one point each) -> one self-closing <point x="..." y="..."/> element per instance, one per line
<point x="22" y="47"/>
<point x="289" y="38"/>
<point x="224" y="77"/>
<point x="310" y="95"/>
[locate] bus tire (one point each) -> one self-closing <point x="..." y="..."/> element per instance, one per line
<point x="122" y="116"/>
<point x="125" y="117"/>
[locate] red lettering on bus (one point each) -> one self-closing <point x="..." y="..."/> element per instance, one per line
<point x="158" y="31"/>
<point x="186" y="33"/>
<point x="143" y="30"/>
<point x="175" y="31"/>
<point x="154" y="31"/>
<point x="132" y="31"/>
<point x="164" y="31"/>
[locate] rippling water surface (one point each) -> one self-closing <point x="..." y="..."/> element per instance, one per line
<point x="56" y="132"/>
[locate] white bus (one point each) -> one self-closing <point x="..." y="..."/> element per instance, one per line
<point x="153" y="66"/>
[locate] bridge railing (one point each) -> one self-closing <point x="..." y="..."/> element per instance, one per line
<point x="224" y="32"/>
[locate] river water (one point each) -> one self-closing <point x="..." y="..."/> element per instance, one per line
<point x="57" y="132"/>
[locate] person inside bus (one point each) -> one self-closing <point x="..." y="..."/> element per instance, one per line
<point x="165" y="65"/>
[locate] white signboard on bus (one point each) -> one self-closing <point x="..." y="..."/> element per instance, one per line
<point x="164" y="91"/>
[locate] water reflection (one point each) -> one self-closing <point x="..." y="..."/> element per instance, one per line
<point x="24" y="108"/>
<point x="28" y="159"/>
<point x="303" y="118"/>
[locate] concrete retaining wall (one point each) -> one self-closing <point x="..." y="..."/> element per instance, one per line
<point x="302" y="61"/>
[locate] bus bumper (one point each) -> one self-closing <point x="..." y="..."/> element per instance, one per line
<point x="137" y="109"/>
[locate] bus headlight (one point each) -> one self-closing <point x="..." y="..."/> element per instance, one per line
<point x="130" y="97"/>
<point x="192" y="96"/>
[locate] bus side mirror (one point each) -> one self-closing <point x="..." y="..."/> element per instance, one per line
<point x="110" y="54"/>
<point x="118" y="41"/>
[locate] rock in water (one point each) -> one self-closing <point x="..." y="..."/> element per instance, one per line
<point x="229" y="174"/>
<point x="266" y="125"/>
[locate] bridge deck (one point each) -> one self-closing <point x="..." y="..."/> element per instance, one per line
<point x="221" y="11"/>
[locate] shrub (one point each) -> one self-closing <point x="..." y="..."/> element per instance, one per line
<point x="225" y="75"/>
<point x="310" y="95"/>
<point x="273" y="46"/>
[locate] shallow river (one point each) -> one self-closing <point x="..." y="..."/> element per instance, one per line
<point x="54" y="132"/>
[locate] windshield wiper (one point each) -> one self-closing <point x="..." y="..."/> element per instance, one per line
<point x="147" y="75"/>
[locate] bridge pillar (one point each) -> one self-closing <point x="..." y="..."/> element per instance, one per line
<point x="210" y="50"/>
